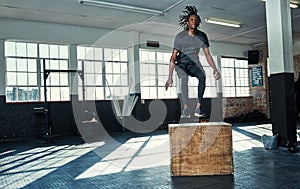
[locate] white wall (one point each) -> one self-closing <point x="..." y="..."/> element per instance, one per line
<point x="65" y="34"/>
<point x="47" y="32"/>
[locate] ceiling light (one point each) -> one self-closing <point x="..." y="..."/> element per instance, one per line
<point x="294" y="6"/>
<point x="121" y="7"/>
<point x="293" y="3"/>
<point x="223" y="22"/>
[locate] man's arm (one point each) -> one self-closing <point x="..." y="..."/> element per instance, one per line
<point x="211" y="62"/>
<point x="169" y="82"/>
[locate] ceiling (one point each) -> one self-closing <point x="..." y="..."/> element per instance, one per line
<point x="251" y="13"/>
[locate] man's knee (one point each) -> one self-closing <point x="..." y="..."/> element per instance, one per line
<point x="201" y="77"/>
<point x="184" y="77"/>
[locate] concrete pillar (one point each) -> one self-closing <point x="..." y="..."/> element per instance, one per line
<point x="216" y="114"/>
<point x="281" y="66"/>
<point x="133" y="71"/>
<point x="2" y="69"/>
<point x="73" y="80"/>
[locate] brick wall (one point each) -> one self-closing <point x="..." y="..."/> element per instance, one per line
<point x="261" y="97"/>
<point x="296" y="67"/>
<point x="234" y="107"/>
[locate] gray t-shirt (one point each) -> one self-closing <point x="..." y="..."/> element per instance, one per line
<point x="190" y="45"/>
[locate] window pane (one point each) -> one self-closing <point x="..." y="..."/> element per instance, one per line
<point x="32" y="49"/>
<point x="22" y="79"/>
<point x="11" y="64"/>
<point x="54" y="93"/>
<point x="143" y="56"/>
<point x="89" y="53"/>
<point x="63" y="52"/>
<point x="44" y="50"/>
<point x="99" y="93"/>
<point x="21" y="49"/>
<point x="89" y="67"/>
<point x="65" y="93"/>
<point x="124" y="68"/>
<point x="98" y="67"/>
<point x="63" y="64"/>
<point x="90" y="80"/>
<point x="22" y="65"/>
<point x="23" y="94"/>
<point x="116" y="68"/>
<point x="90" y="93"/>
<point x="116" y="80"/>
<point x="10" y="94"/>
<point x="32" y="79"/>
<point x="124" y="80"/>
<point x="109" y="67"/>
<point x="151" y="57"/>
<point x="124" y="55"/>
<point x="159" y="57"/>
<point x="107" y="54"/>
<point x="98" y="54"/>
<point x="54" y="51"/>
<point x="116" y="55"/>
<point x="80" y="52"/>
<point x="54" y="64"/>
<point x="32" y="65"/>
<point x="99" y="80"/>
<point x="109" y="79"/>
<point x="143" y="68"/>
<point x="10" y="48"/>
<point x="64" y="81"/>
<point x="33" y="94"/>
<point x="11" y="78"/>
<point x="54" y="79"/>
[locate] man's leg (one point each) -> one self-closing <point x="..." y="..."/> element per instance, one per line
<point x="201" y="86"/>
<point x="184" y="91"/>
<point x="195" y="71"/>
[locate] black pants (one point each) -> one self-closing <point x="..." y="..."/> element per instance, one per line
<point x="186" y="69"/>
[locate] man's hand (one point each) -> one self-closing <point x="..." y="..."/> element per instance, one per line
<point x="216" y="74"/>
<point x="169" y="83"/>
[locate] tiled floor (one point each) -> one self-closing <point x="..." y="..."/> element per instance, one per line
<point x="128" y="160"/>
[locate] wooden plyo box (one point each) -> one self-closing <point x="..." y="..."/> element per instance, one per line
<point x="201" y="149"/>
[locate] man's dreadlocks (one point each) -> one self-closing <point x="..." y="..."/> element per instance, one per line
<point x="189" y="10"/>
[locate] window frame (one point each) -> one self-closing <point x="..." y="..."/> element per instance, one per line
<point x="235" y="77"/>
<point x="158" y="60"/>
<point x="27" y="54"/>
<point x="105" y="90"/>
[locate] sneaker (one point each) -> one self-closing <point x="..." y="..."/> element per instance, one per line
<point x="185" y="113"/>
<point x="198" y="113"/>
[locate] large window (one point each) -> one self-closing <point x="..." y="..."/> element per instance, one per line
<point x="56" y="58"/>
<point x="154" y="71"/>
<point x="105" y="72"/>
<point x="116" y="73"/>
<point x="235" y="77"/>
<point x="21" y="72"/>
<point x="24" y="71"/>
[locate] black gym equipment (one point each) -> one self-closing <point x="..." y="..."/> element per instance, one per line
<point x="46" y="72"/>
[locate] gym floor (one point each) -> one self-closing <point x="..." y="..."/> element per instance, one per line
<point x="127" y="160"/>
